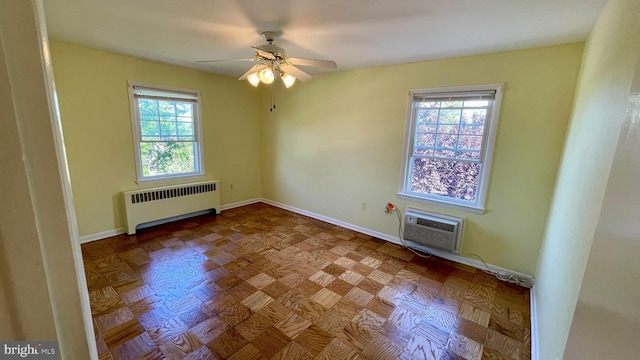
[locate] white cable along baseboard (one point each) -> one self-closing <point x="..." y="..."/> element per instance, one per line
<point x="394" y="239"/>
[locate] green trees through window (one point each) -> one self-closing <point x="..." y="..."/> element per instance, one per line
<point x="167" y="132"/>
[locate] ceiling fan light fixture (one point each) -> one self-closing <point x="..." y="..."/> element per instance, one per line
<point x="254" y="79"/>
<point x="287" y="79"/>
<point x="266" y="75"/>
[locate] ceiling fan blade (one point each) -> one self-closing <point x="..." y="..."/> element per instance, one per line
<point x="295" y="72"/>
<point x="255" y="68"/>
<point x="264" y="54"/>
<point x="311" y="62"/>
<point x="227" y="60"/>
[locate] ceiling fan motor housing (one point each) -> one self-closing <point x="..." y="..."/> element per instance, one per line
<point x="272" y="48"/>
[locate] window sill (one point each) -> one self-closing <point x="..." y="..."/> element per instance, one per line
<point x="449" y="205"/>
<point x="171" y="179"/>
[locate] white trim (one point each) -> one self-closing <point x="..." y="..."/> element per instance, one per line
<point x="472" y="262"/>
<point x="534" y="324"/>
<point x="447" y="205"/>
<point x="114" y="232"/>
<point x="240" y="203"/>
<point x="164" y="179"/>
<point x="443" y="254"/>
<point x="197" y="128"/>
<point x="65" y="180"/>
<point x="101" y="235"/>
<point x="393" y="239"/>
<point x="333" y="221"/>
<point x="478" y="206"/>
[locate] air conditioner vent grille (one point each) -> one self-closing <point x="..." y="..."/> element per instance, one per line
<point x="436" y="225"/>
<point x="429" y="230"/>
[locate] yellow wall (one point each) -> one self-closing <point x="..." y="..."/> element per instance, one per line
<point x="336" y="142"/>
<point x="606" y="76"/>
<point x="332" y="144"/>
<point x="94" y="107"/>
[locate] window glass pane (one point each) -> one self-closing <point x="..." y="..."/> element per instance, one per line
<point x="453" y="179"/>
<point x="430" y="129"/>
<point x="423" y="151"/>
<point x="476" y="103"/>
<point x="447" y="141"/>
<point x="167" y="108"/>
<point x="470" y="142"/>
<point x="444" y="153"/>
<point x="475" y="116"/>
<point x="448" y="129"/>
<point x="184" y="110"/>
<point x="149" y="128"/>
<point x="449" y="116"/>
<point x="429" y="104"/>
<point x="185" y="129"/>
<point x="451" y="104"/>
<point x="166" y="158"/>
<point x="468" y="155"/>
<point x="148" y="107"/>
<point x="168" y="130"/>
<point x="472" y="130"/>
<point x="425" y="140"/>
<point x="427" y="117"/>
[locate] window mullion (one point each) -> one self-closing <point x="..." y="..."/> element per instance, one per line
<point x="414" y="135"/>
<point x="459" y="130"/>
<point x="158" y="117"/>
<point x="435" y="141"/>
<point x="445" y="158"/>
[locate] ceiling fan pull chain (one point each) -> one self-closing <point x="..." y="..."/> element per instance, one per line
<point x="273" y="100"/>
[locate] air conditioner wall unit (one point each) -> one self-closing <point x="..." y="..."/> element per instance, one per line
<point x="423" y="229"/>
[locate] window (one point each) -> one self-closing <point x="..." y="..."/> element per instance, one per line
<point x="166" y="130"/>
<point x="448" y="146"/>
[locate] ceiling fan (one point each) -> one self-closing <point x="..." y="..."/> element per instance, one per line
<point x="272" y="60"/>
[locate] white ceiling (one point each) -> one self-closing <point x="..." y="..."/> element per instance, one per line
<point x="354" y="33"/>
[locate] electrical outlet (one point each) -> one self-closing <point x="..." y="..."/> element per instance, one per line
<point x="231" y="186"/>
<point x="364" y="205"/>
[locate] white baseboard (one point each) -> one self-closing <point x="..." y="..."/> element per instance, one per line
<point x="534" y="324"/>
<point x="439" y="253"/>
<point x="241" y="203"/>
<point x="443" y="254"/>
<point x="109" y="233"/>
<point x="333" y="221"/>
<point x="101" y="235"/>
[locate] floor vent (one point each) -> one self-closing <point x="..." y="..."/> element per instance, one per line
<point x="147" y="205"/>
<point x="424" y="229"/>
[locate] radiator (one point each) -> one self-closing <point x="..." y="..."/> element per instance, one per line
<point x="431" y="230"/>
<point x="145" y="205"/>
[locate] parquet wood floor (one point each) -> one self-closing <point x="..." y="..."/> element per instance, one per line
<point x="259" y="282"/>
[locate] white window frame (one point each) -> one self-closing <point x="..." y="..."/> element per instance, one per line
<point x="171" y="92"/>
<point x="486" y="156"/>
